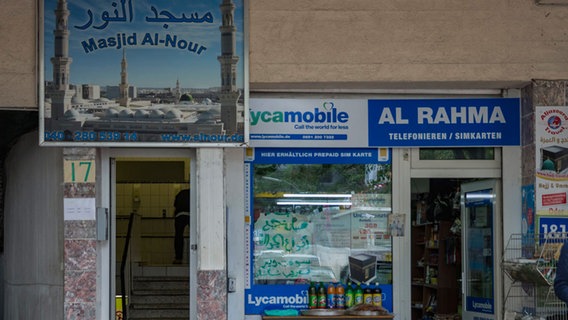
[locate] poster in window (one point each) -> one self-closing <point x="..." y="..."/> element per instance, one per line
<point x="551" y="159"/>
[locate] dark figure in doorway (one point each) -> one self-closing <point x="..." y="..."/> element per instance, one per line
<point x="561" y="279"/>
<point x="181" y="205"/>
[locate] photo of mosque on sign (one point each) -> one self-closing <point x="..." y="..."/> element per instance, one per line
<point x="129" y="72"/>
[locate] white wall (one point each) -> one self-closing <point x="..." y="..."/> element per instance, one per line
<point x="18" y="54"/>
<point x="211" y="209"/>
<point x="355" y="44"/>
<point x="412" y="43"/>
<point x="33" y="248"/>
<point x="234" y="184"/>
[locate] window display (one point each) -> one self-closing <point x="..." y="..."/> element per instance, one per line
<point x="318" y="220"/>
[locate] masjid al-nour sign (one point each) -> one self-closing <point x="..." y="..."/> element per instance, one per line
<point x="117" y="69"/>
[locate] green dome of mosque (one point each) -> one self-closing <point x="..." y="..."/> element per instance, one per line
<point x="548" y="165"/>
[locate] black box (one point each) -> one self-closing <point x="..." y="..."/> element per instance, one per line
<point x="558" y="155"/>
<point x="362" y="267"/>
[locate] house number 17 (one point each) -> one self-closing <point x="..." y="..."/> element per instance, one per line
<point x="79" y="171"/>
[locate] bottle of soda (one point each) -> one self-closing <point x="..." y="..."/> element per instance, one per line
<point x="358" y="295"/>
<point x="322" y="296"/>
<point x="368" y="295"/>
<point x="377" y="296"/>
<point x="349" y="296"/>
<point x="312" y="296"/>
<point x="330" y="296"/>
<point x="340" y="296"/>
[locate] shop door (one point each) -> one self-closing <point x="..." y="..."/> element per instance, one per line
<point x="142" y="192"/>
<point x="480" y="206"/>
<point x="438" y="245"/>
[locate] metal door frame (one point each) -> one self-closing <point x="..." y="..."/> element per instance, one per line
<point x="406" y="165"/>
<point x="107" y="259"/>
<point x="497" y="246"/>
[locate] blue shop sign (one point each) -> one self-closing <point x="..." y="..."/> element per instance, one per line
<point x="444" y="122"/>
<point x="361" y="123"/>
<point x="322" y="156"/>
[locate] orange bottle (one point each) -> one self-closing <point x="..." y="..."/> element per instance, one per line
<point x="340" y="296"/>
<point x="330" y="296"/>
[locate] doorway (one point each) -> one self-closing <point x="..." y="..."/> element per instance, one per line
<point x="146" y="278"/>
<point x="442" y="232"/>
<point x="436" y="247"/>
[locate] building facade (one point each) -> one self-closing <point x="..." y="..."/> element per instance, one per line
<point x="54" y="268"/>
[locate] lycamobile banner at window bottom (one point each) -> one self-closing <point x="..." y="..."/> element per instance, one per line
<point x="384" y="123"/>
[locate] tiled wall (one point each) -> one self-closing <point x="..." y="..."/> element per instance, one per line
<point x="80" y="248"/>
<point x="149" y="200"/>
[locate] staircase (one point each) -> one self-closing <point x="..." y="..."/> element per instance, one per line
<point x="160" y="292"/>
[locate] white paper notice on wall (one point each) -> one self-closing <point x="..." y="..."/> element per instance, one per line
<point x="79" y="208"/>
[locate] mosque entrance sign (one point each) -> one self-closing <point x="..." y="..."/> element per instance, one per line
<point x="131" y="72"/>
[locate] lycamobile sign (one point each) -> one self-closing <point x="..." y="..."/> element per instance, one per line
<point x="327" y="114"/>
<point x="358" y="123"/>
<point x="297" y="299"/>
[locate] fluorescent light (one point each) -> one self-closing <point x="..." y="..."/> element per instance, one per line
<point x="474" y="196"/>
<point x="315" y="195"/>
<point x="313" y="203"/>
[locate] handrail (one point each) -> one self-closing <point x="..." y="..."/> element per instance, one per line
<point x="123" y="266"/>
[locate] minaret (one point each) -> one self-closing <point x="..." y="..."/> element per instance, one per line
<point x="177" y="92"/>
<point x="123" y="87"/>
<point x="60" y="92"/>
<point x="229" y="94"/>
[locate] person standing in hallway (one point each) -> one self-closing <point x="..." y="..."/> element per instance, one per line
<point x="181" y="204"/>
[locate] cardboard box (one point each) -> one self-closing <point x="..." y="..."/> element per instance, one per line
<point x="362" y="267"/>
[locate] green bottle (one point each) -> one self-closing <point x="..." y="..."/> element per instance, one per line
<point x="322" y="296"/>
<point x="358" y="295"/>
<point x="313" y="296"/>
<point x="349" y="296"/>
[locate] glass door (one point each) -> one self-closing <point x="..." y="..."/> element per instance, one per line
<point x="479" y="206"/>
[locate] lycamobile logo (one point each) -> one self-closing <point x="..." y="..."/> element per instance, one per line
<point x="327" y="114"/>
<point x="299" y="298"/>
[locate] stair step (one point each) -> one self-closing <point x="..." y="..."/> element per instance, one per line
<point x="158" y="318"/>
<point x="161" y="278"/>
<point x="158" y="314"/>
<point x="159" y="297"/>
<point x="161" y="291"/>
<point x="160" y="306"/>
<point x="160" y="283"/>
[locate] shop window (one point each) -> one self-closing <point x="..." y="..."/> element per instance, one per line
<point x="322" y="223"/>
<point x="457" y="153"/>
<point x="457" y="159"/>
